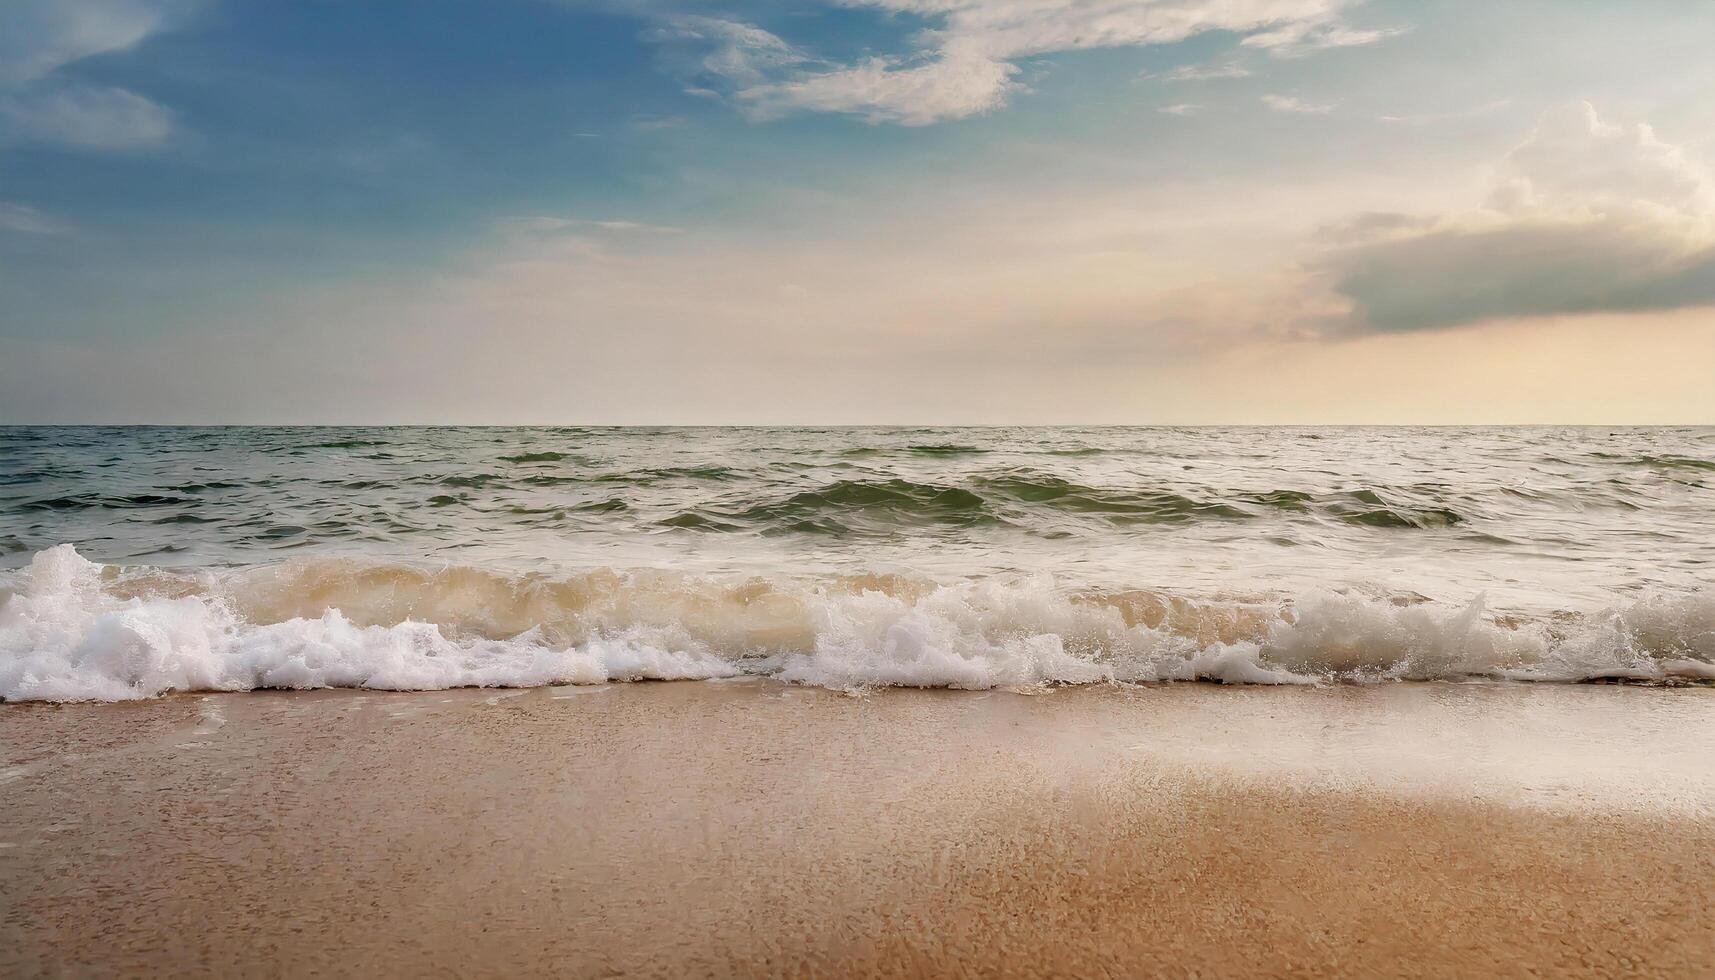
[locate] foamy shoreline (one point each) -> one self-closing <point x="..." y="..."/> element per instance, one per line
<point x="75" y="630"/>
<point x="765" y="829"/>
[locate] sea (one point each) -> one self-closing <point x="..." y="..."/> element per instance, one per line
<point x="137" y="561"/>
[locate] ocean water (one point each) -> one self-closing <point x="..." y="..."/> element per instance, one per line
<point x="136" y="561"/>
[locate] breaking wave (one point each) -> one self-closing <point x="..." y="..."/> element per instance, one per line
<point x="71" y="629"/>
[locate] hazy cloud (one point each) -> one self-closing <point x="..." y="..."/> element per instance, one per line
<point x="1293" y="104"/>
<point x="1371" y="226"/>
<point x="86" y="116"/>
<point x="1427" y="118"/>
<point x="544" y="224"/>
<point x="29" y="221"/>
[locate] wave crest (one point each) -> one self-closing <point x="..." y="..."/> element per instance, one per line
<point x="73" y="630"/>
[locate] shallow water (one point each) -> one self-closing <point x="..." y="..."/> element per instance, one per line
<point x="969" y="557"/>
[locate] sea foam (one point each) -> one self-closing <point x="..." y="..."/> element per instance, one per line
<point x="68" y="632"/>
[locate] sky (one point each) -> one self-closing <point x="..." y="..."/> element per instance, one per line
<point x="857" y="211"/>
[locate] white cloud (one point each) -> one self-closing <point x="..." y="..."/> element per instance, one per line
<point x="85" y="116"/>
<point x="1299" y="39"/>
<point x="43" y="35"/>
<point x="1181" y="109"/>
<point x="1586" y="216"/>
<point x="1293" y="104"/>
<point x="728" y="49"/>
<point x="949" y="87"/>
<point x="1008" y="29"/>
<point x="1203" y="73"/>
<point x="39" y="104"/>
<point x="1574" y="160"/>
<point x="967" y="62"/>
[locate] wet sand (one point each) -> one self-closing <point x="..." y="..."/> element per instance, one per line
<point x="749" y="828"/>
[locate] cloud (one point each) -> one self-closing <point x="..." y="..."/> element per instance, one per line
<point x="965" y="63"/>
<point x="85" y="116"/>
<point x="1295" y="40"/>
<point x="1181" y="109"/>
<point x="41" y="36"/>
<point x="1586" y="216"/>
<point x="696" y="46"/>
<point x="44" y="38"/>
<point x="29" y="221"/>
<point x="1202" y="73"/>
<point x="1370" y="226"/>
<point x="949" y="87"/>
<point x="1574" y="160"/>
<point x="1456" y="275"/>
<point x="1293" y="104"/>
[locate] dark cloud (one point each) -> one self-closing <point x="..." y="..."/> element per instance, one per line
<point x="1587" y="217"/>
<point x="1450" y="277"/>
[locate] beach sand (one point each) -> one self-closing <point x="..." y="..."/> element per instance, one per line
<point x="750" y="828"/>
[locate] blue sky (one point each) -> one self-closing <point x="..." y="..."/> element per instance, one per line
<point x="871" y="210"/>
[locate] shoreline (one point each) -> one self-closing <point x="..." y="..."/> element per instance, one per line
<point x="761" y="829"/>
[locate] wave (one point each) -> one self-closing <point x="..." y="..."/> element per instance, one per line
<point x="1158" y="507"/>
<point x="98" y="501"/>
<point x="345" y="444"/>
<point x="471" y="481"/>
<point x="204" y="487"/>
<point x="945" y="449"/>
<point x="1021" y="497"/>
<point x="1077" y="452"/>
<point x="71" y="630"/>
<point x="847" y="506"/>
<point x="1658" y="460"/>
<point x="1366" y="507"/>
<point x="646" y="477"/>
<point x="1678" y="462"/>
<point x="545" y="457"/>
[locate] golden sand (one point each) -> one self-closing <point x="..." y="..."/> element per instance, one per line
<point x="743" y="829"/>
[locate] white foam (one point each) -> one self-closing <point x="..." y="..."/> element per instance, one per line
<point x="65" y="636"/>
<point x="63" y="639"/>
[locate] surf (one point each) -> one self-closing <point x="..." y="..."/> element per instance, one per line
<point x="74" y="630"/>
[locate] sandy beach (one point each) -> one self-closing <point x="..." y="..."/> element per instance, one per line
<point x="857" y="488"/>
<point x="752" y="828"/>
